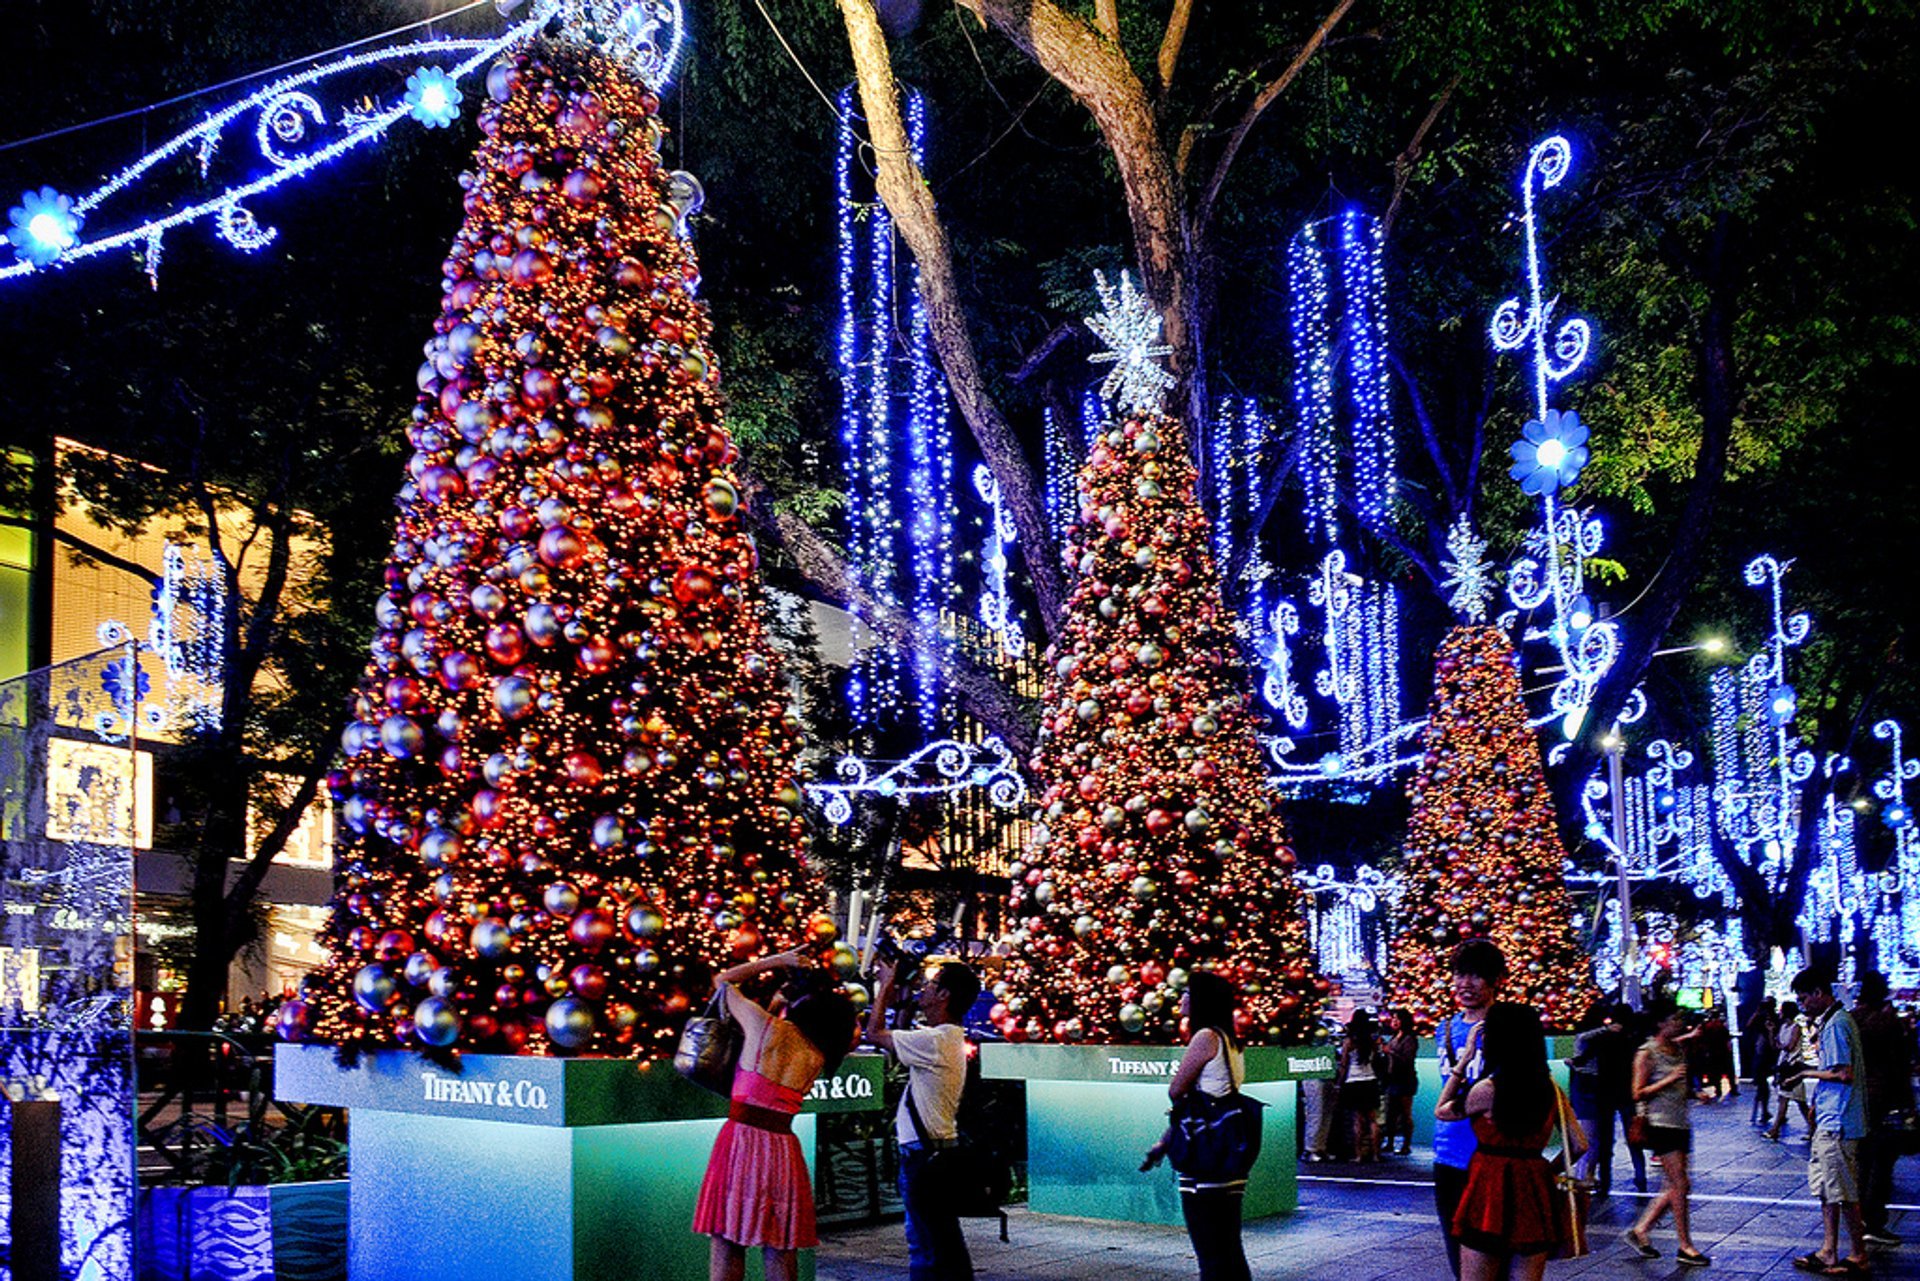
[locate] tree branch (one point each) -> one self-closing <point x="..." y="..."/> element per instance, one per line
<point x="1263" y="510"/>
<point x="1170" y="43"/>
<point x="903" y="188"/>
<point x="92" y="551"/>
<point x="1098" y="75"/>
<point x="978" y="691"/>
<point x="1203" y="211"/>
<point x="1719" y="405"/>
<point x="1065" y="331"/>
<point x="1106" y="15"/>
<point x="1404" y="162"/>
<point x="1428" y="435"/>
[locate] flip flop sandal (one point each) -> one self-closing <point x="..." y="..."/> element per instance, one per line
<point x="1846" y="1268"/>
<point x="1811" y="1263"/>
<point x="1691" y="1259"/>
<point x="1642" y="1248"/>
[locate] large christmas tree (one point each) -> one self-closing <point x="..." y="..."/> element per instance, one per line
<point x="1158" y="849"/>
<point x="1483" y="857"/>
<point x="570" y="766"/>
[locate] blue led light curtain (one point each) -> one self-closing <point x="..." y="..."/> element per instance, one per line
<point x="68" y="817"/>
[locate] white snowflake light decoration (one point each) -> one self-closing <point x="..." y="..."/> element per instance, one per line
<point x="1130" y="328"/>
<point x="1469" y="573"/>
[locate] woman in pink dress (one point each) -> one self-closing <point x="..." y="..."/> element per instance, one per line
<point x="757" y="1191"/>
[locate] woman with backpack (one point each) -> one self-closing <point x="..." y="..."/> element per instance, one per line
<point x="1213" y="1066"/>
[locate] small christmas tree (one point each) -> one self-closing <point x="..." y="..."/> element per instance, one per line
<point x="1483" y="857"/>
<point x="1158" y="849"/>
<point x="570" y="768"/>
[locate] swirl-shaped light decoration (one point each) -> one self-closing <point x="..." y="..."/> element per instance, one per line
<point x="292" y="132"/>
<point x="1279" y="688"/>
<point x="1651" y="813"/>
<point x="996" y="606"/>
<point x="1338" y="909"/>
<point x="1549" y="455"/>
<point x="1758" y="763"/>
<point x="939" y="768"/>
<point x="1895" y="910"/>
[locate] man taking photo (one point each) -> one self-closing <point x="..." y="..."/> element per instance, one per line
<point x="935" y="1056"/>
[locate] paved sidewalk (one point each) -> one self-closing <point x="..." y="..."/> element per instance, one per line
<point x="1752" y="1214"/>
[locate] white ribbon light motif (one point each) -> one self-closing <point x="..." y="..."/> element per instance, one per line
<point x="1552" y="566"/>
<point x="286" y="118"/>
<point x="956" y="767"/>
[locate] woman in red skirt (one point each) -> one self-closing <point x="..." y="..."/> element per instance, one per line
<point x="1506" y="1213"/>
<point x="757" y="1191"/>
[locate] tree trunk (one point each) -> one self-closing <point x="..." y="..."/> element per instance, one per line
<point x="1719" y="400"/>
<point x="904" y="190"/>
<point x="1101" y="79"/>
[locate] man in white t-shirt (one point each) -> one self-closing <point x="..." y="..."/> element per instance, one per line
<point x="935" y="1056"/>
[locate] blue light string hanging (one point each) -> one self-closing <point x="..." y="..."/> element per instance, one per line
<point x="1652" y="816"/>
<point x="1896" y="898"/>
<point x="1551" y="571"/>
<point x="1834" y="897"/>
<point x="1310" y="328"/>
<point x="930" y="487"/>
<point x="1758" y="764"/>
<point x="294" y="134"/>
<point x="1063" y="468"/>
<point x="1359" y="637"/>
<point x="895" y="435"/>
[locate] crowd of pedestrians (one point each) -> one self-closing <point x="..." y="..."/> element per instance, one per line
<point x="1504" y="1207"/>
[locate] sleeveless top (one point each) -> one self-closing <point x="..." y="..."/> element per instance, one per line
<point x="1669" y="1107"/>
<point x="1360" y="1066"/>
<point x="1223" y="1072"/>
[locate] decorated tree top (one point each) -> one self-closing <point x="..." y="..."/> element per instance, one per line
<point x="1483" y="857"/>
<point x="570" y="768"/>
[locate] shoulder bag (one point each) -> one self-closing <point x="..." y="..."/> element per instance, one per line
<point x="709" y="1051"/>
<point x="1572" y="1199"/>
<point x="1215" y="1138"/>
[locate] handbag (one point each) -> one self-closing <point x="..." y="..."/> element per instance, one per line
<point x="1637" y="1130"/>
<point x="1572" y="1199"/>
<point x="1214" y="1138"/>
<point x="709" y="1050"/>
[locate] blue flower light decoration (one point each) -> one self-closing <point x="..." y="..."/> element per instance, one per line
<point x="433" y="97"/>
<point x="1896" y="815"/>
<point x="1550" y="452"/>
<point x="113" y="683"/>
<point x="44" y="226"/>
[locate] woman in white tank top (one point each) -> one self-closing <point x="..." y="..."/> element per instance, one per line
<point x="1212" y="1065"/>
